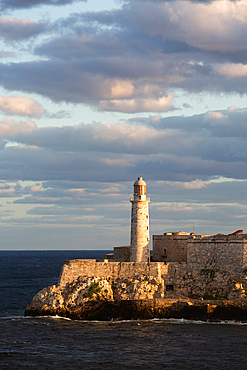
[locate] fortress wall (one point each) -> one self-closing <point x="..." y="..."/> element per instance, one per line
<point x="165" y="280"/>
<point x="170" y="248"/>
<point x="226" y="252"/>
<point x="245" y="253"/>
<point x="72" y="269"/>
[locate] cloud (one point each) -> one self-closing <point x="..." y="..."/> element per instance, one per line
<point x="22" y="4"/>
<point x="19" y="105"/>
<point x="133" y="59"/>
<point x="7" y="54"/>
<point x="13" y="29"/>
<point x="233" y="70"/>
<point x="215" y="26"/>
<point x="136" y="58"/>
<point x="8" y="193"/>
<point x="196" y="184"/>
<point x="68" y="82"/>
<point x="59" y="114"/>
<point x="9" y="127"/>
<point x="35" y="188"/>
<point x="108" y="138"/>
<point x="147" y="56"/>
<point x="162" y="104"/>
<point x="229" y="123"/>
<point x="180" y="149"/>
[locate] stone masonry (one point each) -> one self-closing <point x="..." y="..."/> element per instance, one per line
<point x="170" y="247"/>
<point x="218" y="252"/>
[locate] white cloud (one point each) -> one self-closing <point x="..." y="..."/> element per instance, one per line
<point x="232" y="70"/>
<point x="35" y="188"/>
<point x="216" y="118"/>
<point x="122" y="89"/>
<point x="10" y="127"/>
<point x="216" y="26"/>
<point x="19" y="105"/>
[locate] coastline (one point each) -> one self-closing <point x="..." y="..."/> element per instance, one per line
<point x="105" y="310"/>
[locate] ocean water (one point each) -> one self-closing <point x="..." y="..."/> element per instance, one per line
<point x="57" y="343"/>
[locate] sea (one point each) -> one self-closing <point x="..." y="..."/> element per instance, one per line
<point x="59" y="343"/>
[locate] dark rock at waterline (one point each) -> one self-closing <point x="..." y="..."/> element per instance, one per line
<point x="147" y="309"/>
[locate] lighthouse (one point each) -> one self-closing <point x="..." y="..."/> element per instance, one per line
<point x="139" y="240"/>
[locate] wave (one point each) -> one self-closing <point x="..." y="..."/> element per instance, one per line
<point x="139" y="322"/>
<point x="199" y="322"/>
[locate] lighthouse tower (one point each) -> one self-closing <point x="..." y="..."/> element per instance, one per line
<point x="139" y="240"/>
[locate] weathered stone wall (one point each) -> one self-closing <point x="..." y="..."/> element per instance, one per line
<point x="73" y="269"/>
<point x="170" y="248"/>
<point x="219" y="252"/>
<point x="245" y="252"/>
<point x="122" y="254"/>
<point x="139" y="243"/>
<point x="154" y="280"/>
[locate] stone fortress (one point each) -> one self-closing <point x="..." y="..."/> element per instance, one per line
<point x="182" y="264"/>
<point x="183" y="267"/>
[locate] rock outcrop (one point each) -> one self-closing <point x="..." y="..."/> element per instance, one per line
<point x="140" y="297"/>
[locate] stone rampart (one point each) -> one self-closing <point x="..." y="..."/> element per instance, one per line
<point x="73" y="269"/>
<point x="218" y="252"/>
<point x="135" y="280"/>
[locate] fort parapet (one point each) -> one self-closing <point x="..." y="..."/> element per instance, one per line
<point x="111" y="271"/>
<point x="218" y="252"/>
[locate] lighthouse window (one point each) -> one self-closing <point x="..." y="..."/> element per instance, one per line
<point x="140" y="197"/>
<point x="147" y="217"/>
<point x="147" y="227"/>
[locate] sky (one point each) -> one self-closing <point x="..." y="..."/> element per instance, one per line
<point x="95" y="93"/>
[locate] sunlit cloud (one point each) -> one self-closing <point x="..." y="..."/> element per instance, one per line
<point x="10" y="127"/>
<point x="233" y="70"/>
<point x="162" y="104"/>
<point x="19" y="105"/>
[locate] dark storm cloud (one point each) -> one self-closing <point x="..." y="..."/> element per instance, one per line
<point x="24" y="4"/>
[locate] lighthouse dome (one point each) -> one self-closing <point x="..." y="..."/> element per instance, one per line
<point x="140" y="182"/>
